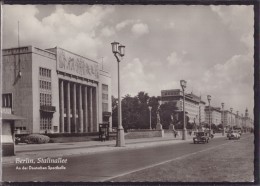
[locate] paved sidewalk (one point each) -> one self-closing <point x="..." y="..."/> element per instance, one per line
<point x="34" y="151"/>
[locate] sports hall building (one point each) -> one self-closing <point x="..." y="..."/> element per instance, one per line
<point x="55" y="90"/>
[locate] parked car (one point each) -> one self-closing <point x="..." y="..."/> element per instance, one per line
<point x="201" y="137"/>
<point x="233" y="135"/>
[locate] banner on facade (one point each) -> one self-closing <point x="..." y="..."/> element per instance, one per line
<point x="76" y="65"/>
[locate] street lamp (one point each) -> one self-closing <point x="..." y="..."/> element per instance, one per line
<point x="119" y="52"/>
<point x="184" y="132"/>
<point x="223" y="132"/>
<point x="209" y="99"/>
<point x="150" y="109"/>
<point x="231" y="109"/>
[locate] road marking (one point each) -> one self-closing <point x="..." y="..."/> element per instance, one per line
<point x="167" y="161"/>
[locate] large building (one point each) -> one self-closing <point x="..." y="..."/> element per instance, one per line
<point x="194" y="106"/>
<point x="213" y="114"/>
<point x="55" y="90"/>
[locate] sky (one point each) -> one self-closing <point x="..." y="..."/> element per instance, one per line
<point x="211" y="47"/>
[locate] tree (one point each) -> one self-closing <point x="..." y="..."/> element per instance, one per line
<point x="167" y="109"/>
<point x="130" y="112"/>
<point x="153" y="102"/>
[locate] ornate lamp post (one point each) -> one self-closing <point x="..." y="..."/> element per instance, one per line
<point x="231" y="109"/>
<point x="119" y="52"/>
<point x="223" y="132"/>
<point x="209" y="99"/>
<point x="184" y="132"/>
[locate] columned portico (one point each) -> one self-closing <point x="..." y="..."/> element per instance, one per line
<point x="80" y="109"/>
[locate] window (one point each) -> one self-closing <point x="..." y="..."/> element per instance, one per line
<point x="44" y="72"/>
<point x="7" y="100"/>
<point x="45" y="122"/>
<point x="105" y="107"/>
<point x="104" y="88"/>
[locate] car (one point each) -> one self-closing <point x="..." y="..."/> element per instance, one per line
<point x="233" y="135"/>
<point x="201" y="137"/>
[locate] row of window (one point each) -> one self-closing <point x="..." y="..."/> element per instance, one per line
<point x="45" y="123"/>
<point x="44" y="72"/>
<point x="45" y="85"/>
<point x="45" y="99"/>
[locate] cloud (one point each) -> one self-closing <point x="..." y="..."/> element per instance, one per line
<point x="237" y="17"/>
<point x="233" y="80"/>
<point x="107" y="32"/>
<point x="133" y="75"/>
<point x="174" y="59"/>
<point x="77" y="33"/>
<point x="125" y="23"/>
<point x="140" y="29"/>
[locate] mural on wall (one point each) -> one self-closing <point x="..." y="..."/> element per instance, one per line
<point x="76" y="65"/>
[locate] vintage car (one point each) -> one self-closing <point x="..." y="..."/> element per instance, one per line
<point x="233" y="135"/>
<point x="201" y="137"/>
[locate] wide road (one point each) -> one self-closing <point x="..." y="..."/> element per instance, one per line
<point x="106" y="165"/>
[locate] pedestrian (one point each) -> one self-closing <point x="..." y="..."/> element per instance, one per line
<point x="175" y="133"/>
<point x="103" y="136"/>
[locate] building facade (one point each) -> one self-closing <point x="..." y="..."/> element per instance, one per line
<point x="213" y="115"/>
<point x="55" y="90"/>
<point x="194" y="106"/>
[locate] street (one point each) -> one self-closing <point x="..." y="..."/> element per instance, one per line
<point x="108" y="165"/>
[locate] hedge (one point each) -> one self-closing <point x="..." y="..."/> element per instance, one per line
<point x="35" y="139"/>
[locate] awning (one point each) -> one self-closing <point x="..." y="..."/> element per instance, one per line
<point x="11" y="117"/>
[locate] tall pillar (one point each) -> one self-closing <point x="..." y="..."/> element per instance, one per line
<point x="80" y="116"/>
<point x="85" y="113"/>
<point x="74" y="121"/>
<point x="90" y="110"/>
<point x="68" y="108"/>
<point x="61" y="107"/>
<point x="95" y="106"/>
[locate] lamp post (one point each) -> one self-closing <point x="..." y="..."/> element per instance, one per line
<point x="150" y="109"/>
<point x="223" y="132"/>
<point x="231" y="109"/>
<point x="209" y="99"/>
<point x="119" y="51"/>
<point x="184" y="132"/>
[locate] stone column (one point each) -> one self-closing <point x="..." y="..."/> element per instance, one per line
<point x="74" y="121"/>
<point x="85" y="107"/>
<point x="80" y="116"/>
<point x="95" y="106"/>
<point x="68" y="108"/>
<point x="90" y="109"/>
<point x="61" y="107"/>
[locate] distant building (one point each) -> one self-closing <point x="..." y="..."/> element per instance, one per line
<point x="55" y="90"/>
<point x="236" y="121"/>
<point x="213" y="114"/>
<point x="194" y="106"/>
